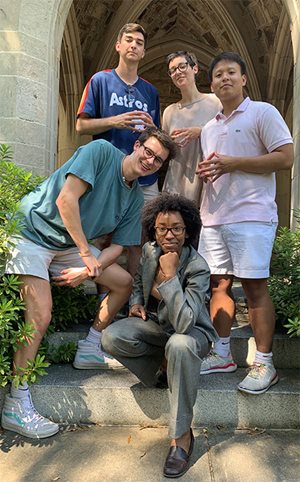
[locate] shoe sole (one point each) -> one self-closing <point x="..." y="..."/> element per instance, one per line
<point x="263" y="390"/>
<point x="20" y="431"/>
<point x="179" y="475"/>
<point x="228" y="369"/>
<point x="97" y="367"/>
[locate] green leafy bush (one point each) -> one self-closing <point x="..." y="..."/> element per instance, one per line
<point x="69" y="306"/>
<point x="15" y="182"/>
<point x="284" y="283"/>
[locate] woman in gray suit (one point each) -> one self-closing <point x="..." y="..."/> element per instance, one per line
<point x="168" y="321"/>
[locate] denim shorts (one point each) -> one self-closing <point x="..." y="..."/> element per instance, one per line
<point x="240" y="249"/>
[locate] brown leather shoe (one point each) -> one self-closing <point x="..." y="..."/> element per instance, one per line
<point x="177" y="461"/>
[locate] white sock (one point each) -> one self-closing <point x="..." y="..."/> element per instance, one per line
<point x="21" y="392"/>
<point x="222" y="346"/>
<point x="94" y="336"/>
<point x="265" y="358"/>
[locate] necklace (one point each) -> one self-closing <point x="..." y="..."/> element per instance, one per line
<point x="128" y="183"/>
<point x="181" y="106"/>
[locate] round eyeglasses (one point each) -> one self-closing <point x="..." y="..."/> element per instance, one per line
<point x="176" y="230"/>
<point x="182" y="67"/>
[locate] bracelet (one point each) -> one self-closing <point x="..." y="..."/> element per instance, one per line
<point x="85" y="255"/>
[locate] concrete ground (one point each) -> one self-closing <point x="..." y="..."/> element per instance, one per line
<point x="135" y="454"/>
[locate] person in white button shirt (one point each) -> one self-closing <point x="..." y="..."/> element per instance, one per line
<point x="243" y="147"/>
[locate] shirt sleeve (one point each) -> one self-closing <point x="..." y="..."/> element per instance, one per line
<point x="273" y="130"/>
<point x="89" y="160"/>
<point x="90" y="100"/>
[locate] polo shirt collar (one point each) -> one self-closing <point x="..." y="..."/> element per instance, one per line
<point x="241" y="108"/>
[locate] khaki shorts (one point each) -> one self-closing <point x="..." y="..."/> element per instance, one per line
<point x="28" y="258"/>
<point x="240" y="249"/>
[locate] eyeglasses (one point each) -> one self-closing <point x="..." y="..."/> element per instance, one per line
<point x="182" y="67"/>
<point x="176" y="230"/>
<point x="130" y="93"/>
<point x="148" y="153"/>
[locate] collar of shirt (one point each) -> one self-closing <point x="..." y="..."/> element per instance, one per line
<point x="241" y="108"/>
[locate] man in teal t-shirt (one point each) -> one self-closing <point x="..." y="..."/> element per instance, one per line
<point x="96" y="192"/>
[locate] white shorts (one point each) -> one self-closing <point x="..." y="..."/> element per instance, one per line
<point x="240" y="249"/>
<point x="150" y="192"/>
<point x="28" y="258"/>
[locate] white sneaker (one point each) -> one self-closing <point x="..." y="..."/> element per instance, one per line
<point x="19" y="415"/>
<point x="214" y="363"/>
<point x="259" y="379"/>
<point x="90" y="356"/>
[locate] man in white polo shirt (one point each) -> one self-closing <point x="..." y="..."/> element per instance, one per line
<point x="243" y="147"/>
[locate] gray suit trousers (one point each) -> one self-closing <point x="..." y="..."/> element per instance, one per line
<point x="141" y="346"/>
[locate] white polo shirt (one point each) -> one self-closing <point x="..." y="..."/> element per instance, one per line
<point x="253" y="129"/>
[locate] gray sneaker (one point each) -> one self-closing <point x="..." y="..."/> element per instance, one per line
<point x="90" y="356"/>
<point x="259" y="379"/>
<point x="214" y="363"/>
<point x="19" y="415"/>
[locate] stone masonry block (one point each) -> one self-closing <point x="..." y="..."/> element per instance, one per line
<point x="31" y="101"/>
<point x="36" y="18"/>
<point x="10" y="14"/>
<point x="31" y="157"/>
<point x="24" y="65"/>
<point x="7" y="96"/>
<point x="23" y="132"/>
<point x="20" y="42"/>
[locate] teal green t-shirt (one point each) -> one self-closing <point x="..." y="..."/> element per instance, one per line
<point x="108" y="205"/>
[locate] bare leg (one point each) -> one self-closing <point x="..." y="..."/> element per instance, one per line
<point x="261" y="312"/>
<point x="133" y="258"/>
<point x="222" y="305"/>
<point x="36" y="294"/>
<point x="184" y="441"/>
<point x="119" y="283"/>
<point x="102" y="243"/>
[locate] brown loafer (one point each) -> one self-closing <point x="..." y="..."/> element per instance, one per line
<point x="177" y="461"/>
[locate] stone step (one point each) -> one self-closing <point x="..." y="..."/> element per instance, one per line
<point x="286" y="351"/>
<point x="116" y="397"/>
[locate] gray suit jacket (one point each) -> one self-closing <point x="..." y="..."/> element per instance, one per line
<point x="183" y="297"/>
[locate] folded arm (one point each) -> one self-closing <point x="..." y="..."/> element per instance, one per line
<point x="186" y="305"/>
<point x="218" y="164"/>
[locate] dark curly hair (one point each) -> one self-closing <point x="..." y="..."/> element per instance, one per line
<point x="166" y="202"/>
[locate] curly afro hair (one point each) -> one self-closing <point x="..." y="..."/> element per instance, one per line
<point x="166" y="202"/>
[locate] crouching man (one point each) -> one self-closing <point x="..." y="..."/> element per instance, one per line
<point x="93" y="194"/>
<point x="168" y="323"/>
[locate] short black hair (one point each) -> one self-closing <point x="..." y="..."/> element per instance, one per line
<point x="166" y="202"/>
<point x="230" y="56"/>
<point x="163" y="137"/>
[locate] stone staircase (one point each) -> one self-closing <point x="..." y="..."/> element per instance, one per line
<point x="117" y="397"/>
